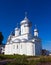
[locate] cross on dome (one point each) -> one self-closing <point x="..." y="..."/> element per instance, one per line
<point x="25" y="15"/>
<point x="17" y="27"/>
<point x="35" y="26"/>
<point x="26" y="21"/>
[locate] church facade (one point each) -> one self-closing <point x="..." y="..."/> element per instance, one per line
<point x="23" y="42"/>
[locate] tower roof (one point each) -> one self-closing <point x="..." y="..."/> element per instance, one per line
<point x="25" y="20"/>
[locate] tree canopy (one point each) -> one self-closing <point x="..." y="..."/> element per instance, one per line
<point x="1" y="38"/>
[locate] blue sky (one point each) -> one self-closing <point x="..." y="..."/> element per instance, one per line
<point x="39" y="13"/>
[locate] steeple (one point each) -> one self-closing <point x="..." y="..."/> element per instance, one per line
<point x="25" y="15"/>
<point x="36" y="31"/>
<point x="25" y="20"/>
<point x="17" y="30"/>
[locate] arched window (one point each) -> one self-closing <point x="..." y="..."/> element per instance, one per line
<point x="21" y="46"/>
<point x="17" y="46"/>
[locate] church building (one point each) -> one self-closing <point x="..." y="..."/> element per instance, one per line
<point x="23" y="42"/>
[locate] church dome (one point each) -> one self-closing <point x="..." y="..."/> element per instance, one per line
<point x="35" y="30"/>
<point x="16" y="28"/>
<point x="26" y="20"/>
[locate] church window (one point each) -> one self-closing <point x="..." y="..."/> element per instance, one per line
<point x="17" y="46"/>
<point x="21" y="46"/>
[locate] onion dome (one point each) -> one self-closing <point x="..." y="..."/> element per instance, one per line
<point x="17" y="31"/>
<point x="16" y="28"/>
<point x="35" y="30"/>
<point x="25" y="21"/>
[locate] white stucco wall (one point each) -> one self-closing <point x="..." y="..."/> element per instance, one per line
<point x="23" y="48"/>
<point x="26" y="48"/>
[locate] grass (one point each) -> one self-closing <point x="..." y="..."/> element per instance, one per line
<point x="45" y="59"/>
<point x="25" y="60"/>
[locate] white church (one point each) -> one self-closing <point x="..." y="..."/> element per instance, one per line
<point x="23" y="42"/>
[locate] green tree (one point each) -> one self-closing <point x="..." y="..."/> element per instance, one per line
<point x="1" y="38"/>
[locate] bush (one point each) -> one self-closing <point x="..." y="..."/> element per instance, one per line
<point x="45" y="59"/>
